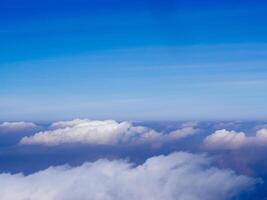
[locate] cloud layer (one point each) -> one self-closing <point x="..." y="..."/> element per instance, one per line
<point x="101" y="132"/>
<point x="176" y="176"/>
<point x="223" y="139"/>
<point x="16" y="126"/>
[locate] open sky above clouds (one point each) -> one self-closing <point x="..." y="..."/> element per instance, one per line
<point x="140" y="60"/>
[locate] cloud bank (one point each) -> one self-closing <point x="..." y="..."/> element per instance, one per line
<point x="16" y="126"/>
<point x="223" y="139"/>
<point x="102" y="132"/>
<point x="176" y="176"/>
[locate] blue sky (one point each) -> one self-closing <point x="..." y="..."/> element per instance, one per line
<point x="133" y="59"/>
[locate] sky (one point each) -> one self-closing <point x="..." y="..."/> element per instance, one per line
<point x="133" y="60"/>
<point x="120" y="99"/>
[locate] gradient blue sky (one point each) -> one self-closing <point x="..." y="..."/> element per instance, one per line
<point x="142" y="59"/>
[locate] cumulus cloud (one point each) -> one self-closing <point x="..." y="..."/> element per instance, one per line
<point x="176" y="176"/>
<point x="262" y="133"/>
<point x="64" y="124"/>
<point x="223" y="139"/>
<point x="16" y="126"/>
<point x="101" y="132"/>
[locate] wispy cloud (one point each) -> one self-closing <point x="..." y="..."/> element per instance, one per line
<point x="16" y="126"/>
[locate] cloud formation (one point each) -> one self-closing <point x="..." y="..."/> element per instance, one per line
<point x="223" y="139"/>
<point x="101" y="132"/>
<point x="176" y="176"/>
<point x="65" y="124"/>
<point x="16" y="126"/>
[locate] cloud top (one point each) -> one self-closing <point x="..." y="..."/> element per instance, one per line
<point x="176" y="176"/>
<point x="71" y="123"/>
<point x="101" y="132"/>
<point x="223" y="139"/>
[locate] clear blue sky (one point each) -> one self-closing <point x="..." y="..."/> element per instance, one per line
<point x="142" y="59"/>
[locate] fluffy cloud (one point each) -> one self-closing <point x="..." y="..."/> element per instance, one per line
<point x="101" y="132"/>
<point x="16" y="126"/>
<point x="262" y="133"/>
<point x="64" y="124"/>
<point x="176" y="176"/>
<point x="223" y="139"/>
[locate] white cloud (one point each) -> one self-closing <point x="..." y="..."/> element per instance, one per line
<point x="64" y="124"/>
<point x="181" y="133"/>
<point x="223" y="139"/>
<point x="262" y="133"/>
<point x="16" y="126"/>
<point x="101" y="132"/>
<point x="176" y="176"/>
